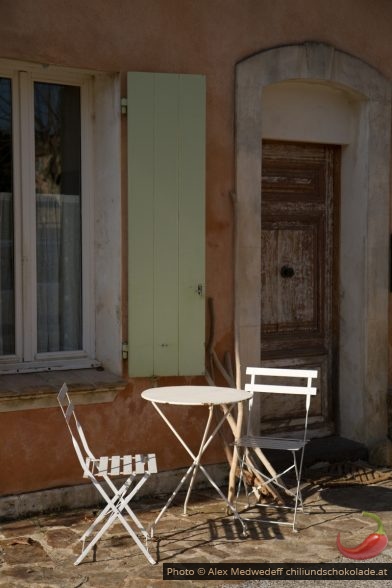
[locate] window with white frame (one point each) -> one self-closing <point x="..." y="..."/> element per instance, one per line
<point x="46" y="232"/>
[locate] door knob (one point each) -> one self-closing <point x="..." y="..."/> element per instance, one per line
<point x="286" y="271"/>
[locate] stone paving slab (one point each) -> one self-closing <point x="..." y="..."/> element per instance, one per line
<point x="39" y="552"/>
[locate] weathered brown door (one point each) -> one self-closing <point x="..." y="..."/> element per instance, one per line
<point x="299" y="257"/>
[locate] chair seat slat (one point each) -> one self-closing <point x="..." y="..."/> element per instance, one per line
<point x="127" y="465"/>
<point x="103" y="465"/>
<point x="139" y="464"/>
<point x="115" y="462"/>
<point x="152" y="463"/>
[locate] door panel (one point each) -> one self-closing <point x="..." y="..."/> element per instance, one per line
<point x="289" y="276"/>
<point x="299" y="248"/>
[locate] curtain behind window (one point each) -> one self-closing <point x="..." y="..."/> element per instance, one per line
<point x="58" y="214"/>
<point x="58" y="272"/>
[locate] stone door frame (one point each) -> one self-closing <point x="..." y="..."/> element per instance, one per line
<point x="364" y="230"/>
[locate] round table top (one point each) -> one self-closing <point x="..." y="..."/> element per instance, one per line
<point x="195" y="395"/>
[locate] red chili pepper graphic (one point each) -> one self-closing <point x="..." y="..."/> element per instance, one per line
<point x="374" y="544"/>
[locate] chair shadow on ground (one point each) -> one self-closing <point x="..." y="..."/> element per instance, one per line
<point x="200" y="530"/>
<point x="322" y="505"/>
<point x="217" y="531"/>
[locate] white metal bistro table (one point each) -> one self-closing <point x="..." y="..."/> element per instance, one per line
<point x="209" y="396"/>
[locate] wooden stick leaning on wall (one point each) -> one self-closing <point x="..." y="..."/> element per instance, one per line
<point x="235" y="423"/>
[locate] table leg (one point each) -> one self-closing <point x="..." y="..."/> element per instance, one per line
<point x="197" y="465"/>
<point x="172" y="497"/>
<point x="229" y="504"/>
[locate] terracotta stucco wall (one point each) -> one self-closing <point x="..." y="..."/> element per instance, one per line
<point x="186" y="36"/>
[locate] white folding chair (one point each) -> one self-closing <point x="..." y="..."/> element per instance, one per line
<point x="102" y="469"/>
<point x="251" y="444"/>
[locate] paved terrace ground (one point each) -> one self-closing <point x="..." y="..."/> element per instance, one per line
<point x="39" y="552"/>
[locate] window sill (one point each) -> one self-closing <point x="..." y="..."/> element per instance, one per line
<point x="39" y="390"/>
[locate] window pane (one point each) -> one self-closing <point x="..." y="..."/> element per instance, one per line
<point x="58" y="210"/>
<point x="7" y="304"/>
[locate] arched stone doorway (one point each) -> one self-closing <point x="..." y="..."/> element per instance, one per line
<point x="354" y="113"/>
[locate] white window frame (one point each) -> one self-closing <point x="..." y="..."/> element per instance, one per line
<point x="26" y="357"/>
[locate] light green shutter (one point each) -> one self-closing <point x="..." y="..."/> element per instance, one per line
<point x="166" y="227"/>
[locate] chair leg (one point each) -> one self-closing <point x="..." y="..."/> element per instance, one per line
<point x="298" y="498"/>
<point x="119" y="497"/>
<point x="240" y="477"/>
<point x="105" y="527"/>
<point x="107" y="508"/>
<point x="276" y="481"/>
<point x="115" y="507"/>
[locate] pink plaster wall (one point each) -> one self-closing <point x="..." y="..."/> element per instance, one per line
<point x="186" y="36"/>
<point x="36" y="450"/>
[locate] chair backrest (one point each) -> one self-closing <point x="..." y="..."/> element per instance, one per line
<point x="296" y="388"/>
<point x="78" y="438"/>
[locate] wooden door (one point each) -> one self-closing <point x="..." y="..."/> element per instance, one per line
<point x="299" y="269"/>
